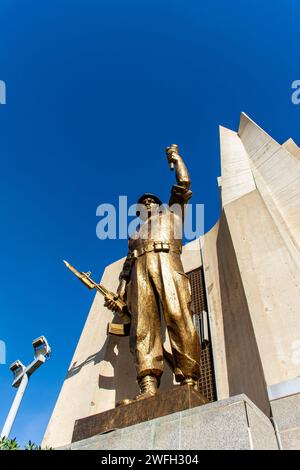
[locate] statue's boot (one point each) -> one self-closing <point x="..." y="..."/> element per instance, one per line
<point x="148" y="386"/>
<point x="190" y="381"/>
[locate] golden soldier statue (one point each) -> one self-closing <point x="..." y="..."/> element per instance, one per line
<point x="153" y="282"/>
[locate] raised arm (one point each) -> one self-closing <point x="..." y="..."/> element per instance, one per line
<point x="180" y="193"/>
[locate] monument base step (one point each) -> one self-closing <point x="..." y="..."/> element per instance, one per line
<point x="166" y="402"/>
<point x="231" y="424"/>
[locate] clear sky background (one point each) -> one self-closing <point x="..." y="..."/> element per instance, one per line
<point x="95" y="91"/>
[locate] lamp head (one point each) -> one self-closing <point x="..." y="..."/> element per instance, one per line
<point x="17" y="368"/>
<point x="41" y="347"/>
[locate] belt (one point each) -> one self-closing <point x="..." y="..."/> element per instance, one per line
<point x="157" y="247"/>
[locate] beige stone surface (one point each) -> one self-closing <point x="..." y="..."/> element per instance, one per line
<point x="253" y="267"/>
<point x="191" y="255"/>
<point x="286" y="413"/>
<point x="277" y="176"/>
<point x="237" y="178"/>
<point x="92" y="361"/>
<point x="252" y="136"/>
<point x="292" y="147"/>
<point x="211" y="275"/>
<point x="271" y="282"/>
<point x="244" y="369"/>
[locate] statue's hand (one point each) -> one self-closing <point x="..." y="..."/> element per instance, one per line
<point x="172" y="155"/>
<point x="111" y="304"/>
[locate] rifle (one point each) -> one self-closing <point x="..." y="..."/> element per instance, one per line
<point x="113" y="328"/>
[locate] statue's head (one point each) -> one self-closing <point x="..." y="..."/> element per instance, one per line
<point x="150" y="201"/>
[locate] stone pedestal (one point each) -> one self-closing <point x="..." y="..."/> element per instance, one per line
<point x="286" y="414"/>
<point x="169" y="401"/>
<point x="231" y="424"/>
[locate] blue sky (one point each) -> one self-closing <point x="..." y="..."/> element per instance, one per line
<point x="95" y="91"/>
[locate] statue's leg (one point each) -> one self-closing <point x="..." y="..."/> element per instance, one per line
<point x="174" y="291"/>
<point x="146" y="341"/>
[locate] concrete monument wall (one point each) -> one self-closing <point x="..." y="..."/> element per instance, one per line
<point x="251" y="264"/>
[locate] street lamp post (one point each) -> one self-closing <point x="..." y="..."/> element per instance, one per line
<point x="21" y="376"/>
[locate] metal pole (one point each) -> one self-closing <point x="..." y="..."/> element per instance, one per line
<point x="14" y="407"/>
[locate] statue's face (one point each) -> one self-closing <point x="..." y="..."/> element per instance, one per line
<point x="150" y="205"/>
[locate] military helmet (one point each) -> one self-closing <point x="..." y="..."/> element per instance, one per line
<point x="145" y="196"/>
<point x="149" y="195"/>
